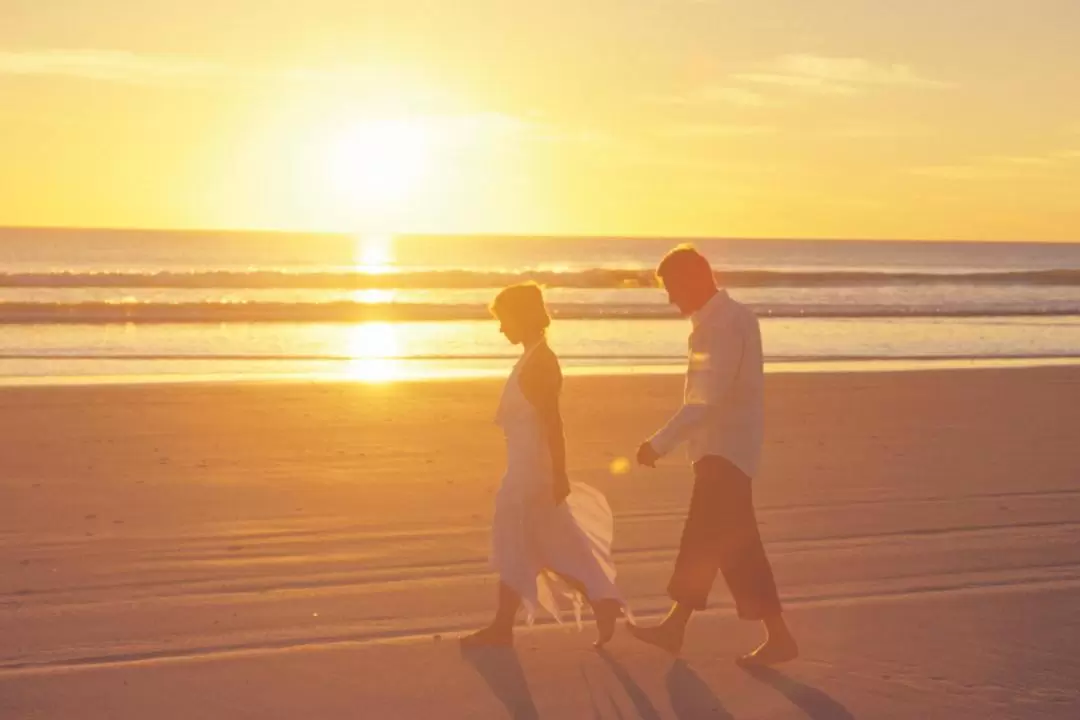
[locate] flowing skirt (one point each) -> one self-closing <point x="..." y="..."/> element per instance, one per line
<point x="550" y="553"/>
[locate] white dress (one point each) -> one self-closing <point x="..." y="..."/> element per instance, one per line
<point x="531" y="535"/>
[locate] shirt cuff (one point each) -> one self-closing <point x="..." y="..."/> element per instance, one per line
<point x="662" y="442"/>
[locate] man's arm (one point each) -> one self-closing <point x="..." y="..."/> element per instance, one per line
<point x="710" y="374"/>
<point x="681" y="425"/>
<point x="541" y="383"/>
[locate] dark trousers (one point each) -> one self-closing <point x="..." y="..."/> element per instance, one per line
<point x="721" y="533"/>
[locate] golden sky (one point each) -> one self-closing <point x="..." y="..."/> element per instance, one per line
<point x="791" y="118"/>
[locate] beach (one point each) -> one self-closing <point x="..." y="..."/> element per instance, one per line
<point x="265" y="269"/>
<point x="224" y="550"/>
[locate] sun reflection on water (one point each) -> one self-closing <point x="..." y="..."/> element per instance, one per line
<point x="373" y="296"/>
<point x="374" y="254"/>
<point x="375" y="349"/>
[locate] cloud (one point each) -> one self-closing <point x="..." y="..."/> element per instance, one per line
<point x="874" y="131"/>
<point x="705" y="129"/>
<point x="837" y="75"/>
<point x="487" y="127"/>
<point x="996" y="167"/>
<point x="740" y="97"/>
<point x="484" y="128"/>
<point x="581" y="137"/>
<point x="1021" y="160"/>
<point x="718" y="95"/>
<point x="484" y="124"/>
<point x="798" y="82"/>
<point x="812" y="74"/>
<point x="696" y="166"/>
<point x="108" y="65"/>
<point x="955" y="172"/>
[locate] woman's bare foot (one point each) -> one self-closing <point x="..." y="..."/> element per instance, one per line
<point x="775" y="650"/>
<point x="607" y="612"/>
<point x="491" y="636"/>
<point x="666" y="636"/>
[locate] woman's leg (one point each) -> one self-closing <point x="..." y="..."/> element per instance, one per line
<point x="605" y="612"/>
<point x="500" y="632"/>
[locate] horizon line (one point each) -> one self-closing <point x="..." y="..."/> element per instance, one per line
<point x="521" y="235"/>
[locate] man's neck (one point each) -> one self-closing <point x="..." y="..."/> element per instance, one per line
<point x="706" y="299"/>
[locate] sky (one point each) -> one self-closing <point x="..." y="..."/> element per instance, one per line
<point x="919" y="119"/>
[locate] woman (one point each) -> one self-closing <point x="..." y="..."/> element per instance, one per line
<point x="550" y="541"/>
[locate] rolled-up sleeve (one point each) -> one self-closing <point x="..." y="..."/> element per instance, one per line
<point x="712" y="369"/>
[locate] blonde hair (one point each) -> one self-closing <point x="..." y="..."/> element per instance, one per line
<point x="525" y="303"/>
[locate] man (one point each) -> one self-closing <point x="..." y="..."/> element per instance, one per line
<point x="721" y="421"/>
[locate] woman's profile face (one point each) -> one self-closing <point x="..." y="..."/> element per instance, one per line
<point x="509" y="327"/>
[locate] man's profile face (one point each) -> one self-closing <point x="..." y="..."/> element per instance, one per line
<point x="679" y="293"/>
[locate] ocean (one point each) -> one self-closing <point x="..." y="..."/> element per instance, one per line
<point x="99" y="305"/>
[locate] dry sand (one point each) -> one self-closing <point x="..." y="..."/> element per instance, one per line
<point x="311" y="550"/>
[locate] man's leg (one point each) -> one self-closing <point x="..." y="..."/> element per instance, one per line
<point x="722" y="532"/>
<point x="697" y="563"/>
<point x="749" y="576"/>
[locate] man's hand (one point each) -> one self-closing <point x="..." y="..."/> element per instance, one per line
<point x="561" y="489"/>
<point x="647" y="455"/>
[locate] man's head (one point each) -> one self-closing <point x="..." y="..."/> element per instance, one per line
<point x="688" y="279"/>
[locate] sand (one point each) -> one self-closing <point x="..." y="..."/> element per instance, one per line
<point x="312" y="550"/>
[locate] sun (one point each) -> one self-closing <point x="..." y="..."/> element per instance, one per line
<point x="376" y="166"/>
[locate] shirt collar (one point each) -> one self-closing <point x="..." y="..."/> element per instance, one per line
<point x="711" y="308"/>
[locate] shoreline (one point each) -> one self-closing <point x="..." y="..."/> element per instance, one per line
<point x="391" y="371"/>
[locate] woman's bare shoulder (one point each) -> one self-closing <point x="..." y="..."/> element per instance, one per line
<point x="542" y="367"/>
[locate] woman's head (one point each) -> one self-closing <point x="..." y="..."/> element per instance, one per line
<point x="521" y="312"/>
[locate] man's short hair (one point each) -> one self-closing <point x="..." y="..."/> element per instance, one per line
<point x="685" y="261"/>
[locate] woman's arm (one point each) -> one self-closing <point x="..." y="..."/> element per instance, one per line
<point x="541" y="382"/>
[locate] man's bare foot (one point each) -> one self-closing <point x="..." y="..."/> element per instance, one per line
<point x="606" y="612"/>
<point x="775" y="650"/>
<point x="491" y="636"/>
<point x="666" y="636"/>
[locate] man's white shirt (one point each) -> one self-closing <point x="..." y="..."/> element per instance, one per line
<point x="723" y="405"/>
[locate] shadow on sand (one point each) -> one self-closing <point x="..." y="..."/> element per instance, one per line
<point x="691" y="697"/>
<point x="817" y="704"/>
<point x="640" y="700"/>
<point x="501" y="670"/>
